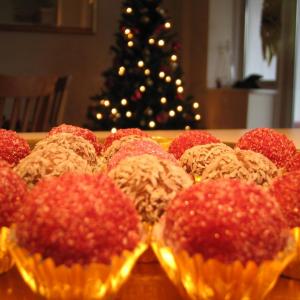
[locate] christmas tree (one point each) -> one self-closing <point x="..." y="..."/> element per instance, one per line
<point x="144" y="86"/>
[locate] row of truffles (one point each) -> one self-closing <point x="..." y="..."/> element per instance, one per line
<point x="60" y="152"/>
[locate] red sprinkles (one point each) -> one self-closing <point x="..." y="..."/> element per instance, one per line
<point x="78" y="218"/>
<point x="272" y="144"/>
<point x="294" y="163"/>
<point x="189" y="139"/>
<point x="286" y="190"/>
<point x="226" y="220"/>
<point x="84" y="133"/>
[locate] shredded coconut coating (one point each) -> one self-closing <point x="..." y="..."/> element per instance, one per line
<point x="286" y="190"/>
<point x="78" y="219"/>
<point x="294" y="163"/>
<point x="228" y="220"/>
<point x="122" y="133"/>
<point x="189" y="139"/>
<point x="78" y="131"/>
<point x="69" y="141"/>
<point x="140" y="147"/>
<point x="150" y="182"/>
<point x="242" y="164"/>
<point x="12" y="193"/>
<point x="272" y="144"/>
<point x="12" y="147"/>
<point x="53" y="161"/>
<point x="195" y="159"/>
<point x="122" y="142"/>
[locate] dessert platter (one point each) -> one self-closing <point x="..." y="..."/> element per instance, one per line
<point x="136" y="216"/>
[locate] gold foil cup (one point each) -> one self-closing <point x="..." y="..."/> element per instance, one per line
<point x="6" y="261"/>
<point x="163" y="141"/>
<point x="293" y="269"/>
<point x="93" y="281"/>
<point x="213" y="280"/>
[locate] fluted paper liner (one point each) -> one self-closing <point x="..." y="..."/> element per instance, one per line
<point x="6" y="261"/>
<point x="213" y="280"/>
<point x="93" y="281"/>
<point x="293" y="269"/>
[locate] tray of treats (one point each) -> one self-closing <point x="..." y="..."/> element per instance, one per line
<point x="136" y="216"/>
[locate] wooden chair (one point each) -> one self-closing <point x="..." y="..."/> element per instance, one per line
<point x="31" y="103"/>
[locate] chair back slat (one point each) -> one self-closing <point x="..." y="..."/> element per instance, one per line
<point x="2" y="104"/>
<point x="15" y="113"/>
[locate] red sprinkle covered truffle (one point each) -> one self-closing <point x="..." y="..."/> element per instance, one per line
<point x="286" y="190"/>
<point x="227" y="220"/>
<point x="294" y="163"/>
<point x="4" y="164"/>
<point x="122" y="133"/>
<point x="140" y="147"/>
<point x="78" y="219"/>
<point x="85" y="133"/>
<point x="12" y="193"/>
<point x="12" y="147"/>
<point x="272" y="144"/>
<point x="189" y="139"/>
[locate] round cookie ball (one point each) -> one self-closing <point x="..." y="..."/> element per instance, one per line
<point x="286" y="190"/>
<point x="12" y="193"/>
<point x="294" y="163"/>
<point x="12" y="147"/>
<point x="84" y="133"/>
<point x="50" y="162"/>
<point x="227" y="220"/>
<point x="139" y="147"/>
<point x="195" y="159"/>
<point x="242" y="164"/>
<point x="78" y="219"/>
<point x="150" y="183"/>
<point x="189" y="139"/>
<point x="272" y="144"/>
<point x="122" y="133"/>
<point x="4" y="164"/>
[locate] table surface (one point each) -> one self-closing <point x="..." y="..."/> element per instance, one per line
<point x="148" y="281"/>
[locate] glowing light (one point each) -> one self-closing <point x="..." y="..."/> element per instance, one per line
<point x="142" y="88"/>
<point x="113" y="130"/>
<point x="147" y="72"/>
<point x="130" y="36"/>
<point x="127" y="31"/>
<point x="106" y="103"/>
<point x="152" y="124"/>
<point x="121" y="71"/>
<point x="140" y="63"/>
<point x="130" y="44"/>
<point x="114" y="111"/>
<point x="179" y="108"/>
<point x="151" y="41"/>
<point x="99" y="116"/>
<point x="180" y="89"/>
<point x="161" y="43"/>
<point x="128" y="114"/>
<point x="168" y="79"/>
<point x="163" y="100"/>
<point x="161" y="74"/>
<point x="167" y="25"/>
<point x="102" y="101"/>
<point x="171" y="113"/>
<point x="178" y="81"/>
<point x="187" y="127"/>
<point x="197" y="117"/>
<point x="128" y="10"/>
<point x="173" y="57"/>
<point x="196" y="105"/>
<point x="124" y="101"/>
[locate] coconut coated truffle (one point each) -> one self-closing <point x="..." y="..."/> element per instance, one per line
<point x="195" y="159"/>
<point x="286" y="190"/>
<point x="227" y="220"/>
<point x="272" y="144"/>
<point x="50" y="162"/>
<point x="84" y="133"/>
<point x="12" y="193"/>
<point x="12" y="147"/>
<point x="189" y="139"/>
<point x="150" y="182"/>
<point x="242" y="164"/>
<point x="78" y="219"/>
